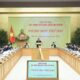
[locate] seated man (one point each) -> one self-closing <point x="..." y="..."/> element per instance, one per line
<point x="26" y="45"/>
<point x="38" y="43"/>
<point x="6" y="47"/>
<point x="53" y="45"/>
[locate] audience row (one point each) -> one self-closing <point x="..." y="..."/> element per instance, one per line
<point x="6" y="54"/>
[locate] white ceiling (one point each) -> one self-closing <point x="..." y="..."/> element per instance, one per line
<point x="36" y="0"/>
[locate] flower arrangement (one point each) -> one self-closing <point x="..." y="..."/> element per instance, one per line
<point x="22" y="36"/>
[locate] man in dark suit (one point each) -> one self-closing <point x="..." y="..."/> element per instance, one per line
<point x="38" y="43"/>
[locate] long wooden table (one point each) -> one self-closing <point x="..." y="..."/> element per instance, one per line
<point x="72" y="59"/>
<point x="10" y="61"/>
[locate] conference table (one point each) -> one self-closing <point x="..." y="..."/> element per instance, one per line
<point x="11" y="58"/>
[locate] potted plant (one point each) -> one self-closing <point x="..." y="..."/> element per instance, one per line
<point x="3" y="38"/>
<point x="76" y="37"/>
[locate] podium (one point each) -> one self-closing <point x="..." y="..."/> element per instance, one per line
<point x="38" y="45"/>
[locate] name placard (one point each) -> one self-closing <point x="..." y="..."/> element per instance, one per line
<point x="42" y="70"/>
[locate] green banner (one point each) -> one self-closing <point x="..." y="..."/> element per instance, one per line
<point x="48" y="29"/>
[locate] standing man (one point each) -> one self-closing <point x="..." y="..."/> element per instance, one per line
<point x="38" y="43"/>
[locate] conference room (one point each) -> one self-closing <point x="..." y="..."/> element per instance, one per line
<point x="39" y="40"/>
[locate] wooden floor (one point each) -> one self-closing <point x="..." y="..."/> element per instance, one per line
<point x="19" y="71"/>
